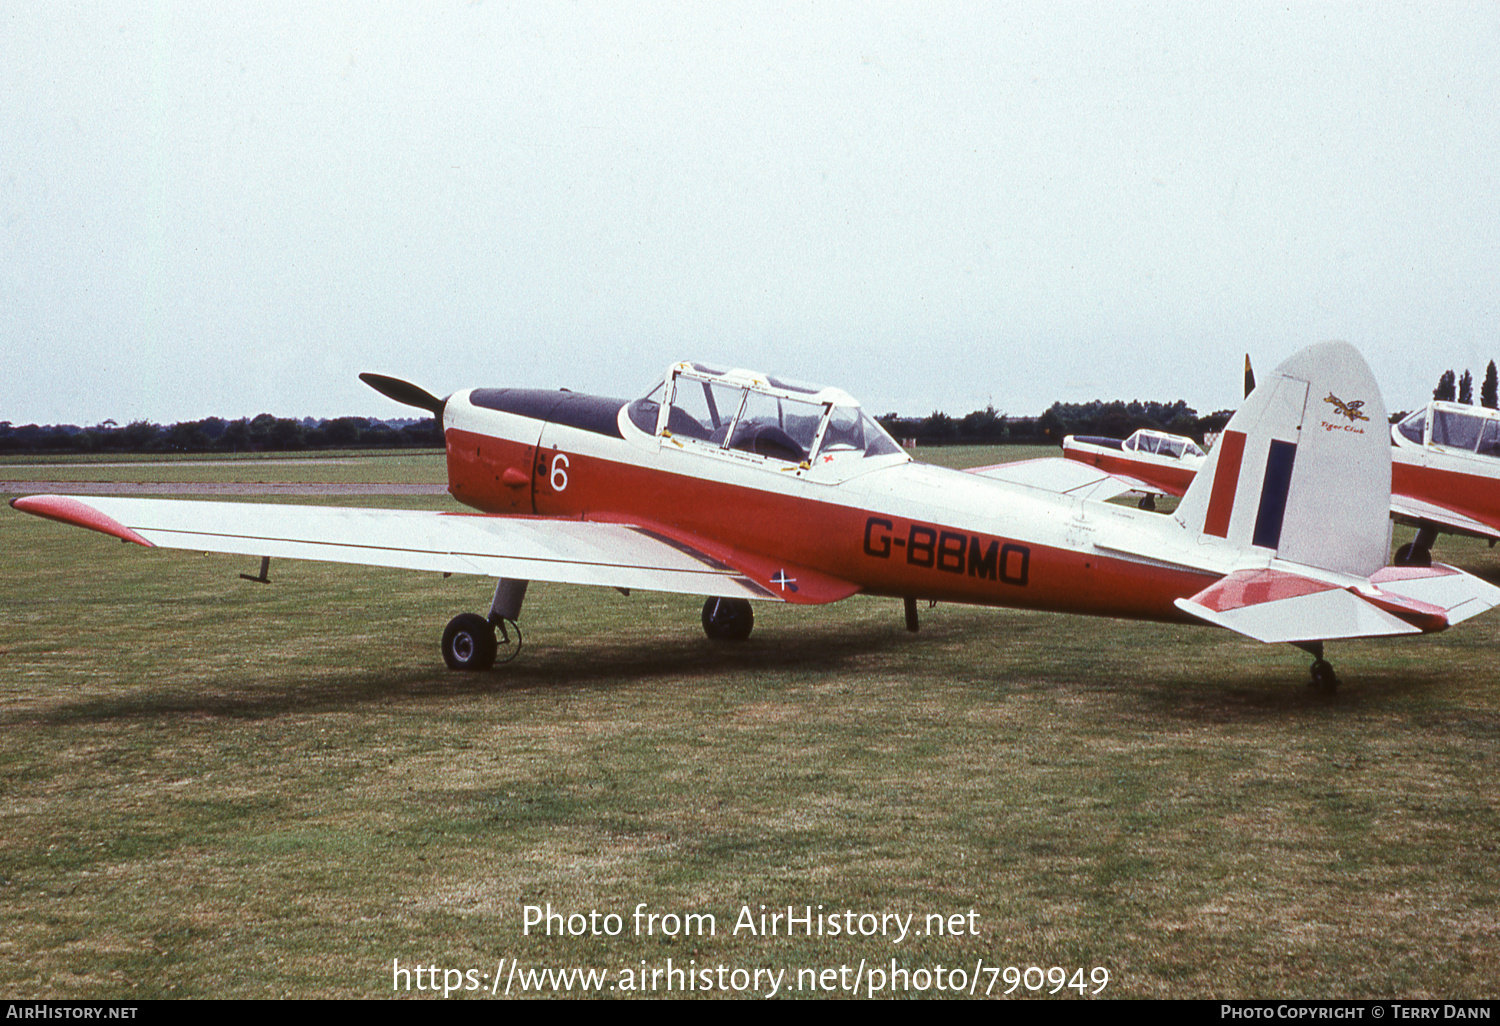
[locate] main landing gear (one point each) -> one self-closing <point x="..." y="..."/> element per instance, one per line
<point x="727" y="619"/>
<point x="473" y="642"/>
<point x="1418" y="551"/>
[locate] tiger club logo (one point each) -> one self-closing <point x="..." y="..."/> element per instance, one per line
<point x="1350" y="410"/>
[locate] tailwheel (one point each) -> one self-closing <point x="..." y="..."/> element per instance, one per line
<point x="1418" y="551"/>
<point x="727" y="619"/>
<point x="1324" y="680"/>
<point x="1411" y="554"/>
<point x="469" y="643"/>
<point x="1147" y="503"/>
<point x="1323" y="677"/>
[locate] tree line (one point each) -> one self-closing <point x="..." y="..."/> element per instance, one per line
<point x="1114" y="419"/>
<point x="1451" y="389"/>
<point x="264" y="433"/>
<point x="267" y="433"/>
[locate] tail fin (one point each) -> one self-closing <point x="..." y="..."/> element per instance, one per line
<point x="1303" y="470"/>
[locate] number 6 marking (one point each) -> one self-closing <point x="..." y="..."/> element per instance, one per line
<point x="559" y="472"/>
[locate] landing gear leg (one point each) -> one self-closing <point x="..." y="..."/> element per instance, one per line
<point x="727" y="619"/>
<point x="1418" y="551"/>
<point x="505" y="611"/>
<point x="1324" y="680"/>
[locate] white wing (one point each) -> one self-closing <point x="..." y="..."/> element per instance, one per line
<point x="1411" y="508"/>
<point x="532" y="549"/>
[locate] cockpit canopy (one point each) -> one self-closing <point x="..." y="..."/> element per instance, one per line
<point x="1452" y="426"/>
<point x="776" y="418"/>
<point x="1162" y="444"/>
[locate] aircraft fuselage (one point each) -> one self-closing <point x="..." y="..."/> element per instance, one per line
<point x="887" y="526"/>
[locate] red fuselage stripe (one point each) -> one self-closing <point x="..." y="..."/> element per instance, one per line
<point x="1476" y="496"/>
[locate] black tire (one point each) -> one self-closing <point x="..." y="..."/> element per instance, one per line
<point x="1411" y="554"/>
<point x="469" y="643"/>
<point x="726" y="619"/>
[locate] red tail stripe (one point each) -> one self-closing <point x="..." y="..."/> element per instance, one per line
<point x="1226" y="481"/>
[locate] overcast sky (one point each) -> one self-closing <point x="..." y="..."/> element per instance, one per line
<point x="234" y="208"/>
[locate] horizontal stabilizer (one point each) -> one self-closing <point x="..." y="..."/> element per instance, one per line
<point x="1460" y="595"/>
<point x="1270" y="606"/>
<point x="1275" y="605"/>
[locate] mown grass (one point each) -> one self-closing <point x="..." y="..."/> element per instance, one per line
<point x="213" y="788"/>
<point x="410" y="466"/>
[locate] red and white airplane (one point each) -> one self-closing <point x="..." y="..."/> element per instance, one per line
<point x="744" y="487"/>
<point x="1445" y="470"/>
<point x="1153" y="462"/>
<point x="1445" y="475"/>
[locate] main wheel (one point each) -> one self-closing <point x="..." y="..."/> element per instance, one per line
<point x="469" y="643"/>
<point x="726" y="619"/>
<point x="1411" y="554"/>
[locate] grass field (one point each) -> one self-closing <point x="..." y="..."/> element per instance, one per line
<point x="210" y="788"/>
<point x="411" y="466"/>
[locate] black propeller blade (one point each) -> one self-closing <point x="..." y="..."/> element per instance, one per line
<point x="405" y="392"/>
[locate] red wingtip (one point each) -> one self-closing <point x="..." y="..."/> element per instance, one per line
<point x="68" y="510"/>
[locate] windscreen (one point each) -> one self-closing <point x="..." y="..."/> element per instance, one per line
<point x="851" y="429"/>
<point x="1456" y="430"/>
<point x="1414" y="426"/>
<point x="644" y="410"/>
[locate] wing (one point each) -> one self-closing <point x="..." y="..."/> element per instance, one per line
<point x="1063" y="477"/>
<point x="1413" y="510"/>
<point x="648" y="557"/>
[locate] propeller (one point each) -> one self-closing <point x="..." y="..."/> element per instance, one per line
<point x="1249" y="377"/>
<point x="405" y="392"/>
